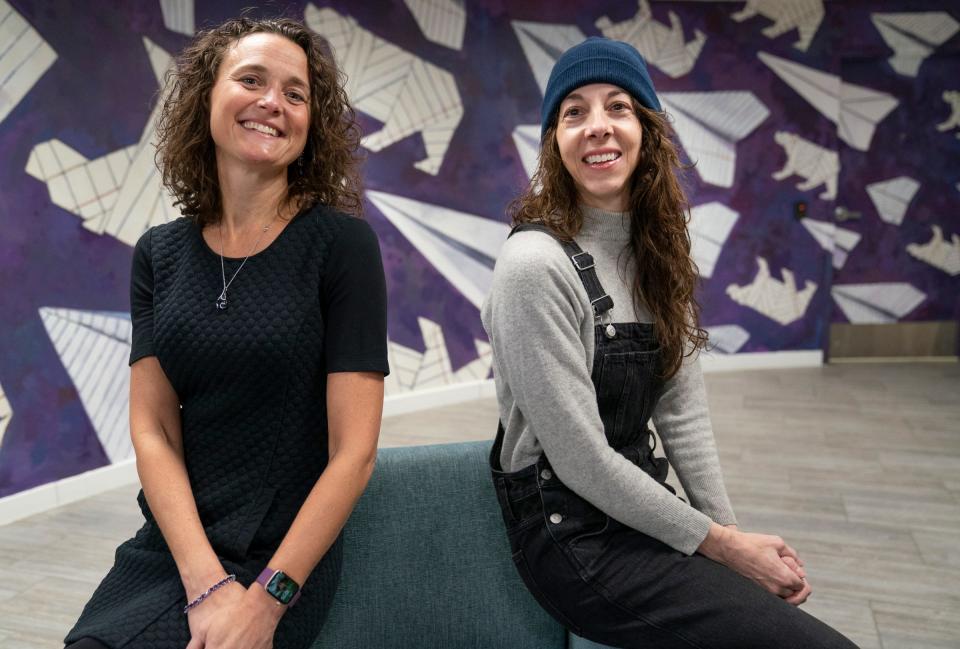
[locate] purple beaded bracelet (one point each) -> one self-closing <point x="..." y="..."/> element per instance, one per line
<point x="204" y="595"/>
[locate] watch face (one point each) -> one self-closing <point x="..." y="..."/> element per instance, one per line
<point x="282" y="587"/>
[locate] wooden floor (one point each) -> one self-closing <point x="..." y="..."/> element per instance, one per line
<point x="857" y="466"/>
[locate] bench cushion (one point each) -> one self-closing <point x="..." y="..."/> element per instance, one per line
<point x="427" y="563"/>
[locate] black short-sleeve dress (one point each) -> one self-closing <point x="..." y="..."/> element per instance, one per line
<point x="251" y="381"/>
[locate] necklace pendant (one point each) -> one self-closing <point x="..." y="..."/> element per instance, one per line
<point x="222" y="302"/>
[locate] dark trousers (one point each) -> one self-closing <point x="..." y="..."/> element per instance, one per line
<point x="614" y="585"/>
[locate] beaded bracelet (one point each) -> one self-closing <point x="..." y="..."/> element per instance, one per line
<point x="204" y="595"/>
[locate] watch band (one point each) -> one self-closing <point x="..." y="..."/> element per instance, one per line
<point x="279" y="586"/>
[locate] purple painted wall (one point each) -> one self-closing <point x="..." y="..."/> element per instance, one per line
<point x="97" y="96"/>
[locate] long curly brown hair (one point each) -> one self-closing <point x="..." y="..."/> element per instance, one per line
<point x="328" y="173"/>
<point x="666" y="277"/>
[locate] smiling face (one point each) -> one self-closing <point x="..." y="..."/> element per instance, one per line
<point x="599" y="137"/>
<point x="259" y="104"/>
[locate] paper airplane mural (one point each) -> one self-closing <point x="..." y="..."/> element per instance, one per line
<point x="441" y="21"/>
<point x="833" y="239"/>
<point x="727" y="339"/>
<point x="94" y="347"/>
<point x="543" y="43"/>
<point x="119" y="194"/>
<point x="178" y="16"/>
<point x="462" y="247"/>
<point x="779" y="301"/>
<point x="952" y="97"/>
<point x="914" y="36"/>
<point x="709" y="124"/>
<point x="815" y="164"/>
<point x="24" y="58"/>
<point x="880" y="303"/>
<point x="412" y="370"/>
<point x="6" y="414"/>
<point x="660" y="45"/>
<point x="891" y="197"/>
<point x="855" y="110"/>
<point x="526" y="138"/>
<point x="938" y="252"/>
<point x="393" y="86"/>
<point x="710" y="225"/>
<point x="803" y="15"/>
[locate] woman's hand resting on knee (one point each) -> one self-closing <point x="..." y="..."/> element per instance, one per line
<point x="765" y="559"/>
<point x="235" y="618"/>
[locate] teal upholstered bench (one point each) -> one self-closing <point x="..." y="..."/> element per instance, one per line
<point x="427" y="564"/>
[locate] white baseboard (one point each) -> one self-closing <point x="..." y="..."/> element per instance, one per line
<point x="401" y="404"/>
<point x="68" y="490"/>
<point x="760" y="360"/>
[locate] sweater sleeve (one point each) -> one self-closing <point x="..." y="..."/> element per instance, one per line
<point x="533" y="320"/>
<point x="682" y="419"/>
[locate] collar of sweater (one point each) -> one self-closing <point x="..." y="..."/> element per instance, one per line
<point x="601" y="225"/>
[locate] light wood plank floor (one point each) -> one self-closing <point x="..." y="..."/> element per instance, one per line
<point x="857" y="466"/>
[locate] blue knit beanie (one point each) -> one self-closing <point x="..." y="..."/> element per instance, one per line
<point x="597" y="60"/>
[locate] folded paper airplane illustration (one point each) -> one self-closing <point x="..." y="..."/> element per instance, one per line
<point x="709" y="125"/>
<point x="883" y="302"/>
<point x="892" y="197"/>
<point x="855" y="110"/>
<point x="913" y="36"/>
<point x="462" y="247"/>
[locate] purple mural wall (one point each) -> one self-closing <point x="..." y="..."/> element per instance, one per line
<point x="850" y="108"/>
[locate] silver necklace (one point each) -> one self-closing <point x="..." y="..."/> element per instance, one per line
<point x="222" y="300"/>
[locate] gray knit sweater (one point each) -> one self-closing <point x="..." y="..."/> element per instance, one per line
<point x="540" y="323"/>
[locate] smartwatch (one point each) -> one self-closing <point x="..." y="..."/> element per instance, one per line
<point x="279" y="586"/>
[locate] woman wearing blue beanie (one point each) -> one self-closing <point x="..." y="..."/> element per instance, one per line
<point x="595" y="331"/>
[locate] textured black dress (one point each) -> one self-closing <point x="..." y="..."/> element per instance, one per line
<point x="252" y="383"/>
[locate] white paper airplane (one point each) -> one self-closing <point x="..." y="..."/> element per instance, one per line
<point x="855" y="110"/>
<point x="94" y="347"/>
<point x="24" y="58"/>
<point x="462" y="247"/>
<point x="709" y="124"/>
<point x="817" y="165"/>
<point x="543" y="43"/>
<point x="660" y="45"/>
<point x="406" y="93"/>
<point x="119" y="194"/>
<point x="710" y="225"/>
<point x="178" y="16"/>
<point x="879" y="303"/>
<point x="938" y="252"/>
<point x="6" y="414"/>
<point x="892" y="197"/>
<point x="727" y="339"/>
<point x="441" y="21"/>
<point x="413" y="370"/>
<point x="526" y="138"/>
<point x="803" y="15"/>
<point x="779" y="301"/>
<point x="914" y="36"/>
<point x="833" y="239"/>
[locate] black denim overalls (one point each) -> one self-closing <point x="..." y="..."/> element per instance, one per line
<point x="608" y="582"/>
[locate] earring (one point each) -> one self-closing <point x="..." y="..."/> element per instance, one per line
<point x="300" y="164"/>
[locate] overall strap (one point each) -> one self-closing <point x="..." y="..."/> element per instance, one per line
<point x="582" y="261"/>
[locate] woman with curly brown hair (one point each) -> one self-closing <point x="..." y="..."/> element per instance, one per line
<point x="595" y="329"/>
<point x="258" y="354"/>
